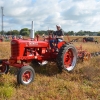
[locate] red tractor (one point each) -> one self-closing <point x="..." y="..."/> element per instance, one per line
<point x="37" y="51"/>
<point x="25" y="51"/>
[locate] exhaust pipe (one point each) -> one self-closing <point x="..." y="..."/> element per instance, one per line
<point x="32" y="31"/>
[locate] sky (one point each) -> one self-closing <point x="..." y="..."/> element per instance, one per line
<point x="72" y="15"/>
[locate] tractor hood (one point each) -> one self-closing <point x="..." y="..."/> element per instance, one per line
<point x="30" y="43"/>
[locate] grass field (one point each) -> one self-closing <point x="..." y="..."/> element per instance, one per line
<point x="83" y="83"/>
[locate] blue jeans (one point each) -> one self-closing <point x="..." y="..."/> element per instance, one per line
<point x="55" y="41"/>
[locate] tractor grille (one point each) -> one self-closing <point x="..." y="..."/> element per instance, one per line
<point x="14" y="50"/>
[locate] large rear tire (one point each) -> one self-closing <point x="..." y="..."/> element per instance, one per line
<point x="25" y="75"/>
<point x="67" y="57"/>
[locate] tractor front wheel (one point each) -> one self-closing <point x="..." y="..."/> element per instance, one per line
<point x="67" y="57"/>
<point x="25" y="75"/>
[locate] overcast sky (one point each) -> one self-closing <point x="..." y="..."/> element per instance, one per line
<point x="72" y="15"/>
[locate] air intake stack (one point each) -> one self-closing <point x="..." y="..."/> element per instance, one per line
<point x="32" y="31"/>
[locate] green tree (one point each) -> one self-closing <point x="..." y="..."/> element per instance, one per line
<point x="80" y="33"/>
<point x="15" y="32"/>
<point x="70" y="33"/>
<point x="24" y="31"/>
<point x="0" y="32"/>
<point x="98" y="34"/>
<point x="9" y="33"/>
<point x="41" y="32"/>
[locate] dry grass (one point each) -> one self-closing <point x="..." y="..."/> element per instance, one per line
<point x="5" y="50"/>
<point x="83" y="83"/>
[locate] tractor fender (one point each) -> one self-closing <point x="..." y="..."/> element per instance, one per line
<point x="60" y="44"/>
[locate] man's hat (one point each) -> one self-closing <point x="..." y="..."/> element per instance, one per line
<point x="58" y="25"/>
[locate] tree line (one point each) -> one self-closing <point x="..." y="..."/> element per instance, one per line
<point x="23" y="32"/>
<point x="26" y="32"/>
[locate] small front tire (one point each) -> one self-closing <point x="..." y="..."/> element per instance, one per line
<point x="25" y="75"/>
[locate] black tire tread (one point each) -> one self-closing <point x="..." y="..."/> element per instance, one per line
<point x="21" y="70"/>
<point x="60" y="55"/>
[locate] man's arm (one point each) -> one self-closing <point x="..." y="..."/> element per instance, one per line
<point x="59" y="37"/>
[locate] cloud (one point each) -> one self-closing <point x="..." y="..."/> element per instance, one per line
<point x="73" y="15"/>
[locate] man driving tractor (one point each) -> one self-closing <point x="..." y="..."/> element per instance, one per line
<point x="57" y="36"/>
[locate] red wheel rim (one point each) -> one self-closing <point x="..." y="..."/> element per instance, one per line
<point x="68" y="58"/>
<point x="26" y="77"/>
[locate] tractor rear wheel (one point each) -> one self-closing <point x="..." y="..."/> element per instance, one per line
<point x="67" y="57"/>
<point x="4" y="69"/>
<point x="25" y="75"/>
